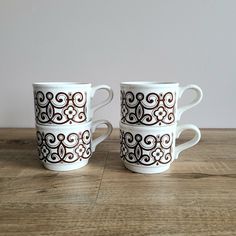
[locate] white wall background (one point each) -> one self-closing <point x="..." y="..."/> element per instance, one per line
<point x="108" y="41"/>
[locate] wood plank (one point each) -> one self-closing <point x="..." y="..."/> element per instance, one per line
<point x="118" y="219"/>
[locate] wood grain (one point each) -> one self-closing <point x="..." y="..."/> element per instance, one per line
<point x="196" y="196"/>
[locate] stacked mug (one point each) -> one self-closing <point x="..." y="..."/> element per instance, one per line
<point x="64" y="124"/>
<point x="148" y="126"/>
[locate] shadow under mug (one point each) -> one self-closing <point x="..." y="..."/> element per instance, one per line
<point x="152" y="103"/>
<point x="150" y="150"/>
<point x="63" y="148"/>
<point x="70" y="103"/>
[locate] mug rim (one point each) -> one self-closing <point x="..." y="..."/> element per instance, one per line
<point x="149" y="84"/>
<point x="64" y="127"/>
<point x="59" y="84"/>
<point x="141" y="128"/>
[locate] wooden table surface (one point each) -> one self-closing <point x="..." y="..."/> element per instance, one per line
<point x="196" y="196"/>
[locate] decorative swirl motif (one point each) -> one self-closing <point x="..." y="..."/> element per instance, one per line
<point x="64" y="149"/>
<point x="60" y="108"/>
<point x="148" y="110"/>
<point x="146" y="150"/>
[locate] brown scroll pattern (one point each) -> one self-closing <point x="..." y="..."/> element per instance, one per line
<point x="150" y="109"/>
<point x="146" y="150"/>
<point x="63" y="148"/>
<point x="60" y="108"/>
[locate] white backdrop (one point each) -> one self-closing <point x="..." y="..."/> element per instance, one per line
<point x="107" y="41"/>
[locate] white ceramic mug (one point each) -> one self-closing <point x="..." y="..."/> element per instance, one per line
<point x="152" y="103"/>
<point x="152" y="149"/>
<point x="66" y="148"/>
<point x="66" y="103"/>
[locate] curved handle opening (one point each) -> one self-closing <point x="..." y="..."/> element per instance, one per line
<point x="104" y="102"/>
<point x="197" y="99"/>
<point x="190" y="143"/>
<point x="101" y="138"/>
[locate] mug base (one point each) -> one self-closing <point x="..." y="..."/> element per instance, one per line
<point x="65" y="166"/>
<point x="147" y="169"/>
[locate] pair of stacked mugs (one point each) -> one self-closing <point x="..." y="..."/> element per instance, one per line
<point x="64" y="124"/>
<point x="148" y="126"/>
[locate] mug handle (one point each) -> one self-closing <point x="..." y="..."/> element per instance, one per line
<point x="189" y="143"/>
<point x="106" y="101"/>
<point x="194" y="102"/>
<point x="101" y="138"/>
